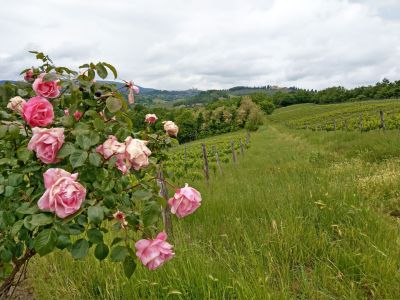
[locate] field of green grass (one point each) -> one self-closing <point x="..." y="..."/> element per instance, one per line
<point x="303" y="215"/>
<point x="345" y="116"/>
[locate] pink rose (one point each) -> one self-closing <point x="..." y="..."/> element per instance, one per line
<point x="120" y="217"/>
<point x="48" y="89"/>
<point x="137" y="153"/>
<point x="38" y="111"/>
<point x="46" y="143"/>
<point x="16" y="103"/>
<point x="77" y="115"/>
<point x="66" y="112"/>
<point x="153" y="253"/>
<point x="63" y="195"/>
<point x="150" y="118"/>
<point x="171" y="128"/>
<point x="185" y="201"/>
<point x="28" y="76"/>
<point x="111" y="147"/>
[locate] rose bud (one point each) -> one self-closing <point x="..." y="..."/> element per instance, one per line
<point x="150" y="118"/>
<point x="28" y="76"/>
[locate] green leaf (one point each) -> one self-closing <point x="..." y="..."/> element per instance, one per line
<point x="17" y="227"/>
<point x="112" y="69"/>
<point x="45" y="241"/>
<point x="27" y="209"/>
<point x="95" y="235"/>
<point x="101" y="70"/>
<point x="6" y="255"/>
<point x="66" y="150"/>
<point x="22" y="92"/>
<point x="51" y="77"/>
<point x="24" y="154"/>
<point x="151" y="213"/>
<point x="99" y="124"/>
<point x="118" y="253"/>
<point x="3" y="131"/>
<point x="63" y="241"/>
<point x="113" y="104"/>
<point x="101" y="251"/>
<point x="83" y="141"/>
<point x="80" y="249"/>
<point x="95" y="159"/>
<point x="78" y="158"/>
<point x="95" y="214"/>
<point x="116" y="240"/>
<point x="15" y="179"/>
<point x="41" y="220"/>
<point x="129" y="266"/>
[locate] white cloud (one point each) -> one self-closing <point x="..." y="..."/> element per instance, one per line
<point x="179" y="44"/>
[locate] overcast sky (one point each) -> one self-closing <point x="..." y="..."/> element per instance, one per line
<point x="180" y="44"/>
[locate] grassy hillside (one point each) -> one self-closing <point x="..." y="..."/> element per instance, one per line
<point x="303" y="215"/>
<point x="346" y="115"/>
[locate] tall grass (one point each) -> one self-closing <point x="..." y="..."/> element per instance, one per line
<point x="301" y="216"/>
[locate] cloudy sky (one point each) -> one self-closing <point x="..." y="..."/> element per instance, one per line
<point x="180" y="44"/>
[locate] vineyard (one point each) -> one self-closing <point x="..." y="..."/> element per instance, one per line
<point x="188" y="160"/>
<point x="364" y="116"/>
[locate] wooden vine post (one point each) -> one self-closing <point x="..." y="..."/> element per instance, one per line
<point x="248" y="137"/>
<point x="361" y="122"/>
<point x="206" y="169"/>
<point x="166" y="212"/>
<point x="241" y="147"/>
<point x="334" y="125"/>
<point x="217" y="160"/>
<point x="233" y="152"/>
<point x="382" y="120"/>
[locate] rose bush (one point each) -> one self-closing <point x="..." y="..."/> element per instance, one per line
<point x="73" y="168"/>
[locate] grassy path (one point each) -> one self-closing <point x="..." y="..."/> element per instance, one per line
<point x="291" y="221"/>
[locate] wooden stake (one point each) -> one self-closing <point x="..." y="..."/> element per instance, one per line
<point x="166" y="212"/>
<point x="241" y="147"/>
<point x="206" y="171"/>
<point x="382" y="120"/>
<point x="233" y="152"/>
<point x="217" y="160"/>
<point x="361" y="122"/>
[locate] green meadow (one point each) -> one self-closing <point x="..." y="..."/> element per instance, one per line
<point x="302" y="215"/>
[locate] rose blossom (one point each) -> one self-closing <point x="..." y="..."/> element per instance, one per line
<point x="16" y="103"/>
<point x="46" y="143"/>
<point x="150" y="118"/>
<point x="77" y="115"/>
<point x="111" y="147"/>
<point x="63" y="195"/>
<point x="66" y="112"/>
<point x="48" y="89"/>
<point x="153" y="253"/>
<point x="28" y="76"/>
<point x="38" y="111"/>
<point x="137" y="153"/>
<point x="185" y="201"/>
<point x="171" y="128"/>
<point x="120" y="217"/>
